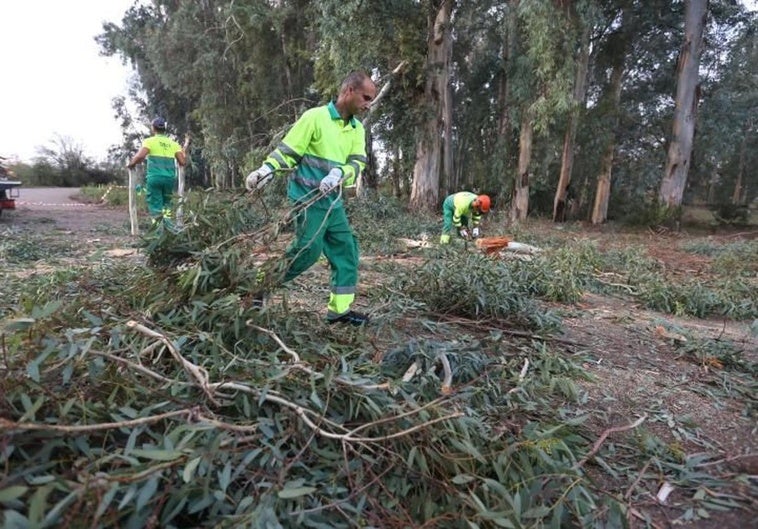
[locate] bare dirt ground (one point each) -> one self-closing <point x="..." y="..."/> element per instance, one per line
<point x="638" y="361"/>
<point x="62" y="209"/>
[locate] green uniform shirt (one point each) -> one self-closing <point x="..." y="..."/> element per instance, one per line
<point x="161" y="155"/>
<point x="317" y="143"/>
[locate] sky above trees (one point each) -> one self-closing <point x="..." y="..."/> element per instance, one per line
<point x="55" y="83"/>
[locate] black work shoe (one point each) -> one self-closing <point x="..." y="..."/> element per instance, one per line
<point x="351" y="317"/>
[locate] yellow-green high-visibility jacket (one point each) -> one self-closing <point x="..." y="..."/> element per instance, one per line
<point x="462" y="208"/>
<point x="161" y="155"/>
<point x="318" y="142"/>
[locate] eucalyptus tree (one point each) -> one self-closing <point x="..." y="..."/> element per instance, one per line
<point x="726" y="143"/>
<point x="582" y="15"/>
<point x="685" y="113"/>
<point x="232" y="71"/>
<point x="134" y="41"/>
<point x="631" y="78"/>
<point x="482" y="157"/>
<point x="381" y="36"/>
<point x="545" y="76"/>
<point x="612" y="56"/>
<point x="434" y="147"/>
<point x="620" y="45"/>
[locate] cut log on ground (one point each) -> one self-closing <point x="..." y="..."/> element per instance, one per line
<point x="490" y="245"/>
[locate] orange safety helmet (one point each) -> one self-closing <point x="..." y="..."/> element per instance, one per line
<point x="482" y="203"/>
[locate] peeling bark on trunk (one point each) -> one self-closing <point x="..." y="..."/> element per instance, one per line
<point x="680" y="148"/>
<point x="567" y="160"/>
<point x="603" y="191"/>
<point x="433" y="151"/>
<point x="520" y="204"/>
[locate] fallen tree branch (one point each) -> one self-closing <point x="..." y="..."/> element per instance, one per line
<point x="299" y="364"/>
<point x="485" y="324"/>
<point x="636" y="482"/>
<point x="604" y="436"/>
<point x="5" y="424"/>
<point x="521" y="376"/>
<point x="199" y="373"/>
<point x="345" y="437"/>
<point x="137" y="367"/>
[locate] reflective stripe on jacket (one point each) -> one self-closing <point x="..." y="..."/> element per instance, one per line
<point x="319" y="141"/>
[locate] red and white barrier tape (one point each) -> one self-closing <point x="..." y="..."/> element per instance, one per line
<point x="69" y="204"/>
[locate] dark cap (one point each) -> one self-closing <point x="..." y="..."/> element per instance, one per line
<point x="159" y="123"/>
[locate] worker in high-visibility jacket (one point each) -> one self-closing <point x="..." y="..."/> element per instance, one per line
<point x="326" y="147"/>
<point x="463" y="211"/>
<point x="161" y="153"/>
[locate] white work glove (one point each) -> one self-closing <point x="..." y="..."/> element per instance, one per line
<point x="475" y="233"/>
<point x="331" y="180"/>
<point x="463" y="232"/>
<point x="259" y="178"/>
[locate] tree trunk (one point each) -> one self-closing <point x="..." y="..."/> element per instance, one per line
<point x="737" y="195"/>
<point x="569" y="140"/>
<point x="712" y="185"/>
<point x="504" y="91"/>
<point x="504" y="97"/>
<point x="443" y="27"/>
<point x="520" y="204"/>
<point x="435" y="136"/>
<point x="367" y="179"/>
<point x="395" y="173"/>
<point x="603" y="191"/>
<point x="680" y="148"/>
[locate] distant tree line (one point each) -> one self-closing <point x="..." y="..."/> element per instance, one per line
<point x="63" y="163"/>
<point x="585" y="109"/>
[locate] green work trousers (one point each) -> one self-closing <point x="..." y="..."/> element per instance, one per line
<point x="160" y="191"/>
<point x="326" y="230"/>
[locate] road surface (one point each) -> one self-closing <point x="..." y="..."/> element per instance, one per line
<point x="46" y="208"/>
<point x="37" y="197"/>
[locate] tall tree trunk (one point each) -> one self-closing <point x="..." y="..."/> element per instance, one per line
<point x="567" y="160"/>
<point x="395" y="173"/>
<point x="603" y="191"/>
<point x="435" y="134"/>
<point x="680" y="148"/>
<point x="737" y="195"/>
<point x="504" y="96"/>
<point x="712" y="185"/>
<point x="367" y="179"/>
<point x="503" y="92"/>
<point x="520" y="204"/>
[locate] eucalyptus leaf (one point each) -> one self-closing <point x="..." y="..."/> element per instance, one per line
<point x="295" y="492"/>
<point x="11" y="493"/>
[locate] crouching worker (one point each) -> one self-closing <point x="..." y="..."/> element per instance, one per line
<point x="326" y="147"/>
<point x="463" y="211"/>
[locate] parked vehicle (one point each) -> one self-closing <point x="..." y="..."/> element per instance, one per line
<point x="9" y="187"/>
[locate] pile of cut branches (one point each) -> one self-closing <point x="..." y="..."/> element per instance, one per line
<point x="157" y="397"/>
